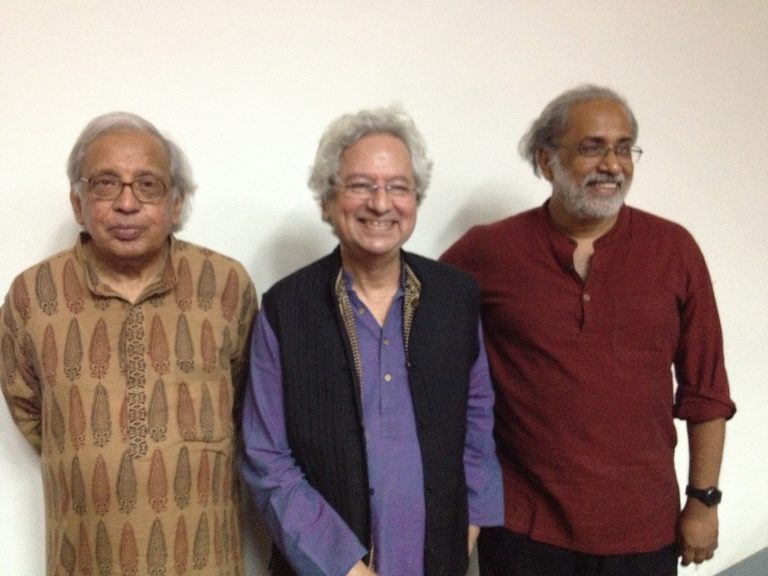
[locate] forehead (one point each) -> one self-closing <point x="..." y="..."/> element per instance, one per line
<point x="377" y="152"/>
<point x="603" y="119"/>
<point x="127" y="149"/>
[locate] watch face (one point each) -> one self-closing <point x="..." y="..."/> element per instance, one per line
<point x="712" y="496"/>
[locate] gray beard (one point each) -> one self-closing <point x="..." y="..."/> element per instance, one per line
<point x="576" y="198"/>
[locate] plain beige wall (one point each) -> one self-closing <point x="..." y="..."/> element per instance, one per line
<point x="246" y="88"/>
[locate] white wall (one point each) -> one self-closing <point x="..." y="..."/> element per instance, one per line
<point x="246" y="88"/>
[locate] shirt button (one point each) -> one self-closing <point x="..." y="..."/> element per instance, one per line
<point x="387" y="377"/>
<point x="586" y="297"/>
<point x="386" y="341"/>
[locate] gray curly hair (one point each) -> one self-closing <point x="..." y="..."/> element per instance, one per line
<point x="348" y="129"/>
<point x="553" y="121"/>
<point x="182" y="183"/>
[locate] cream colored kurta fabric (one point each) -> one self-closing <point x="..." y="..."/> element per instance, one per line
<point x="131" y="409"/>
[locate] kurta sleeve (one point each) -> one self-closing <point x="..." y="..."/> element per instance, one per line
<point x="702" y="383"/>
<point x="303" y="525"/>
<point x="18" y="378"/>
<point x="482" y="470"/>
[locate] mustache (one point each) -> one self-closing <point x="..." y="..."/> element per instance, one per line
<point x="604" y="179"/>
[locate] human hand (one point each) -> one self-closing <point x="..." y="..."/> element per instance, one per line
<point x="474" y="532"/>
<point x="697" y="530"/>
<point x="360" y="569"/>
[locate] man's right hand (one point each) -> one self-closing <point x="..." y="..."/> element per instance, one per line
<point x="361" y="569"/>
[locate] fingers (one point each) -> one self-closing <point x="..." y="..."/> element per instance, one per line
<point x="690" y="554"/>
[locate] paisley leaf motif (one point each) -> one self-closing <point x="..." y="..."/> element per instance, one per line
<point x="206" y="286"/>
<point x="50" y="355"/>
<point x="124" y="418"/>
<point x="185" y="415"/>
<point x="20" y="298"/>
<point x="207" y="415"/>
<point x="226" y="351"/>
<point x="230" y="295"/>
<point x="204" y="479"/>
<point x="157" y="486"/>
<point x="101" y="420"/>
<point x="76" y="418"/>
<point x="158" y="412"/>
<point x="184" y="286"/>
<point x="100" y="486"/>
<point x="226" y="481"/>
<point x="67" y="556"/>
<point x="126" y="483"/>
<point x="208" y="346"/>
<point x="202" y="546"/>
<point x="129" y="552"/>
<point x="182" y="482"/>
<point x="73" y="351"/>
<point x="99" y="350"/>
<point x="73" y="290"/>
<point x="45" y="289"/>
<point x="78" y="488"/>
<point x="103" y="550"/>
<point x="218" y="473"/>
<point x="185" y="350"/>
<point x="225" y="407"/>
<point x="84" y="558"/>
<point x="218" y="544"/>
<point x="64" y="491"/>
<point x="9" y="358"/>
<point x="157" y="554"/>
<point x="58" y="429"/>
<point x="159" y="351"/>
<point x="181" y="547"/>
<point x="52" y="500"/>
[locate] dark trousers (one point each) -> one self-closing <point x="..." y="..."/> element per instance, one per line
<point x="505" y="553"/>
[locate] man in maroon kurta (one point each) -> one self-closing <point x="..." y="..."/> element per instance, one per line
<point x="588" y="304"/>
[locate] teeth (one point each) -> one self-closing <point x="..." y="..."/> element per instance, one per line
<point x="378" y="223"/>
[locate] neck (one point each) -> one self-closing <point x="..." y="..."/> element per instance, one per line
<point x="375" y="281"/>
<point x="578" y="228"/>
<point x="129" y="277"/>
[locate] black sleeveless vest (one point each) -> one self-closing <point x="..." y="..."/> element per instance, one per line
<point x="322" y="401"/>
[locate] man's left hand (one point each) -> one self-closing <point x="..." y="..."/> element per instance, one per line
<point x="697" y="532"/>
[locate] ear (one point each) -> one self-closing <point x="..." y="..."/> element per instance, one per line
<point x="543" y="158"/>
<point x="77" y="205"/>
<point x="325" y="210"/>
<point x="178" y="206"/>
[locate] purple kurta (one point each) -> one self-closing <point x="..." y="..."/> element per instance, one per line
<point x="311" y="534"/>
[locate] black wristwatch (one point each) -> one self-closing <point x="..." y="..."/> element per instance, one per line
<point x="709" y="496"/>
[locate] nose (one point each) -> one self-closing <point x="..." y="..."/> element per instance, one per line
<point x="127" y="202"/>
<point x="610" y="162"/>
<point x="379" y="200"/>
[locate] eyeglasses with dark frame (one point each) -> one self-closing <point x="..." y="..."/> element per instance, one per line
<point x="147" y="189"/>
<point x="624" y="151"/>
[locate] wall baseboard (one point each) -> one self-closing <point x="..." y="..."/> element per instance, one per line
<point x="755" y="565"/>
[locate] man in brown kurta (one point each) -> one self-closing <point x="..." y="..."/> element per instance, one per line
<point x="122" y="362"/>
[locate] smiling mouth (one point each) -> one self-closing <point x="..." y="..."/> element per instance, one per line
<point x="377" y="224"/>
<point x="605" y="187"/>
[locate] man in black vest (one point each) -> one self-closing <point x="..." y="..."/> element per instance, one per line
<point x="368" y="420"/>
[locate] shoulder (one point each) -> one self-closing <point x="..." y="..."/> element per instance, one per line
<point x="322" y="270"/>
<point x="315" y="280"/>
<point x="194" y="253"/>
<point x="442" y="277"/>
<point x="47" y="265"/>
<point x="644" y="223"/>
